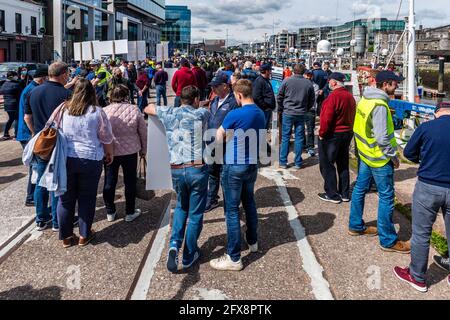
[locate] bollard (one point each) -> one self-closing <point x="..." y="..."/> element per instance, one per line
<point x="441" y="75"/>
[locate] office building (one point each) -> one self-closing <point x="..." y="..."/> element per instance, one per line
<point x="177" y="28"/>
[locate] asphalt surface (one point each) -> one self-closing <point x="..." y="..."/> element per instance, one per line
<point x="305" y="252"/>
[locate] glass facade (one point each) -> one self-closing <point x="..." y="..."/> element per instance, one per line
<point x="177" y="28"/>
<point x="155" y="7"/>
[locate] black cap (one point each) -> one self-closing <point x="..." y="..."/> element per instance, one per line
<point x="220" y="78"/>
<point x="317" y="64"/>
<point x="41" y="71"/>
<point x="442" y="105"/>
<point x="266" y="67"/>
<point x="337" y="76"/>
<point x="385" y="76"/>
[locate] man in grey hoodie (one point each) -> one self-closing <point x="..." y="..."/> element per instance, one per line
<point x="295" y="100"/>
<point x="377" y="147"/>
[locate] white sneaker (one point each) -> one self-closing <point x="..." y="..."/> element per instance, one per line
<point x="225" y="263"/>
<point x="111" y="217"/>
<point x="253" y="248"/>
<point x="132" y="217"/>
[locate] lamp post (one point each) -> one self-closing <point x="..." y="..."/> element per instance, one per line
<point x="411" y="53"/>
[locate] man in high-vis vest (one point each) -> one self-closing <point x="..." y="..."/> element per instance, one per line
<point x="377" y="148"/>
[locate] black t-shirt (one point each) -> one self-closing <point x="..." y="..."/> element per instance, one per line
<point x="43" y="100"/>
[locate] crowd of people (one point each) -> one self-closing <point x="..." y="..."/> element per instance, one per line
<point x="100" y="127"/>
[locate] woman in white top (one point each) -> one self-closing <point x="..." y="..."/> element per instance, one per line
<point x="89" y="143"/>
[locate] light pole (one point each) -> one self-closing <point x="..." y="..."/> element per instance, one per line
<point x="411" y="54"/>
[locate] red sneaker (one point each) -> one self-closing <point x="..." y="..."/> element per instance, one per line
<point x="404" y="275"/>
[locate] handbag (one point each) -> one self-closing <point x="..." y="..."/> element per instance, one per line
<point x="141" y="191"/>
<point x="46" y="141"/>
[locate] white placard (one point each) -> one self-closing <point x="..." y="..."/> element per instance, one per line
<point x="121" y="46"/>
<point x="136" y="50"/>
<point x="162" y="51"/>
<point x="77" y="51"/>
<point x="159" y="174"/>
<point x="87" y="50"/>
<point x="103" y="48"/>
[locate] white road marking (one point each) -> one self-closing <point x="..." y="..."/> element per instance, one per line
<point x="143" y="285"/>
<point x="320" y="286"/>
<point x="17" y="240"/>
<point x="213" y="294"/>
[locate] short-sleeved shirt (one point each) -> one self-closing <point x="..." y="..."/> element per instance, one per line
<point x="185" y="127"/>
<point x="247" y="124"/>
<point x="43" y="100"/>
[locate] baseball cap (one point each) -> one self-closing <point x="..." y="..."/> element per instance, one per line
<point x="220" y="78"/>
<point x="385" y="76"/>
<point x="309" y="72"/>
<point x="41" y="71"/>
<point x="337" y="76"/>
<point x="266" y="67"/>
<point x="442" y="105"/>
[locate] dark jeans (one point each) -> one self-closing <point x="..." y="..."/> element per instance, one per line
<point x="161" y="91"/>
<point x="214" y="171"/>
<point x="13" y="116"/>
<point x="427" y="201"/>
<point x="335" y="151"/>
<point x="177" y="102"/>
<point x="191" y="186"/>
<point x="129" y="167"/>
<point x="298" y="123"/>
<point x="83" y="177"/>
<point x="310" y="137"/>
<point x="31" y="187"/>
<point x="132" y="89"/>
<point x="44" y="213"/>
<point x="238" y="184"/>
<point x="268" y="114"/>
<point x="143" y="101"/>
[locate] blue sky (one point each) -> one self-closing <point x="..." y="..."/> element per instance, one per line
<point x="248" y="20"/>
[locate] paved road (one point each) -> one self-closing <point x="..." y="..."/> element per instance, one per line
<point x="305" y="253"/>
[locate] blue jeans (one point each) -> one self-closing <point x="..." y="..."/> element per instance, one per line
<point x="191" y="186"/>
<point x="268" y="114"/>
<point x="298" y="122"/>
<point x="161" y="91"/>
<point x="177" y="102"/>
<point x="143" y="101"/>
<point x="83" y="177"/>
<point x="238" y="184"/>
<point x="310" y="130"/>
<point x="214" y="171"/>
<point x="41" y="196"/>
<point x="384" y="179"/>
<point x="427" y="201"/>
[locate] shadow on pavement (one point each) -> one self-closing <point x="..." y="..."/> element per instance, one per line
<point x="120" y="234"/>
<point x="11" y="178"/>
<point x="268" y="197"/>
<point x="405" y="174"/>
<point x="11" y="163"/>
<point x="273" y="230"/>
<point x="28" y="293"/>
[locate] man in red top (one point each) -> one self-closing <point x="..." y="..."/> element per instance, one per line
<point x="200" y="76"/>
<point x="336" y="132"/>
<point x="184" y="77"/>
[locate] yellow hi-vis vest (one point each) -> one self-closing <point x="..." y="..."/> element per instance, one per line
<point x="368" y="148"/>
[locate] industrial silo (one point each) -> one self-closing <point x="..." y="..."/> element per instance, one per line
<point x="360" y="37"/>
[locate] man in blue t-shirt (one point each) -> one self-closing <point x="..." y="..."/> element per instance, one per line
<point x="241" y="129"/>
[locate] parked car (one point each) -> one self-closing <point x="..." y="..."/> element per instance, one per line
<point x="17" y="67"/>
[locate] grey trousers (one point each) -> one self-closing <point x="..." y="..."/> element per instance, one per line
<point x="427" y="201"/>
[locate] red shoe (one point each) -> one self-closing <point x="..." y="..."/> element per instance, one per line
<point x="404" y="275"/>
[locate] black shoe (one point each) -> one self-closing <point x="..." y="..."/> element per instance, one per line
<point x="172" y="260"/>
<point x="29" y="204"/>
<point x="211" y="206"/>
<point x="324" y="197"/>
<point x="443" y="263"/>
<point x="345" y="199"/>
<point x="44" y="225"/>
